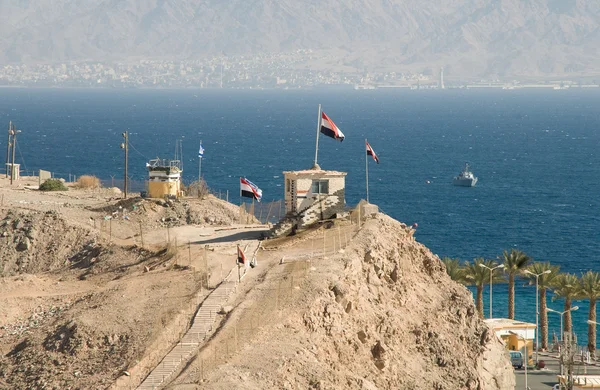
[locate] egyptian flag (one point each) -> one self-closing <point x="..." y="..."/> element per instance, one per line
<point x="330" y="129"/>
<point x="371" y="152"/>
<point x="249" y="189"/>
<point x="241" y="258"/>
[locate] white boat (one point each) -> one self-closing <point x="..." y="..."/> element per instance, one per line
<point x="465" y="178"/>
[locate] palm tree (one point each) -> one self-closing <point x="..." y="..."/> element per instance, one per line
<point x="454" y="269"/>
<point x="544" y="283"/>
<point x="566" y="286"/>
<point x="478" y="276"/>
<point x="515" y="262"/>
<point x="589" y="285"/>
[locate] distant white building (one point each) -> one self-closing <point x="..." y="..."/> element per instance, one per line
<point x="442" y="86"/>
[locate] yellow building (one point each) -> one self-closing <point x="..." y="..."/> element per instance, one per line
<point x="164" y="178"/>
<point x="513" y="333"/>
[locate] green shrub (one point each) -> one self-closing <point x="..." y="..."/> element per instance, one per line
<point x="53" y="185"/>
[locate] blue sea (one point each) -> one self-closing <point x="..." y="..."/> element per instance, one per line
<point x="536" y="154"/>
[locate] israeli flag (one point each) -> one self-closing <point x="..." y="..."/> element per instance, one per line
<point x="201" y="151"/>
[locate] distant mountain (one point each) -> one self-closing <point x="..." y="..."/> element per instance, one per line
<point x="479" y="38"/>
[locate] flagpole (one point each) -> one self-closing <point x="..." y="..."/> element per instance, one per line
<point x="318" y="131"/>
<point x="367" y="169"/>
<point x="238" y="263"/>
<point x="199" y="164"/>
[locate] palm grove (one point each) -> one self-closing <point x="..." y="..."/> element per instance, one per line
<point x="516" y="264"/>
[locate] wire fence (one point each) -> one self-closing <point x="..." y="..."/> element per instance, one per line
<point x="264" y="212"/>
<point x="250" y="321"/>
<point x="269" y="305"/>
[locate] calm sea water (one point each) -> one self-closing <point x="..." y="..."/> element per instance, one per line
<point x="535" y="153"/>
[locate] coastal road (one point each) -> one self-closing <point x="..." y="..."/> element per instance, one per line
<point x="546" y="378"/>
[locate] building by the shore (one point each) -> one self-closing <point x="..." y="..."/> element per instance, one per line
<point x="164" y="178"/>
<point x="314" y="194"/>
<point x="516" y="335"/>
<point x="311" y="195"/>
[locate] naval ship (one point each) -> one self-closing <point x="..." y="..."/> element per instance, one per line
<point x="465" y="178"/>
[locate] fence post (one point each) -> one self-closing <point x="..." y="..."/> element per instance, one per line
<point x="323" y="243"/>
<point x="277" y="296"/>
<point x="142" y="234"/>
<point x="269" y="213"/>
<point x="235" y="335"/>
<point x="206" y="265"/>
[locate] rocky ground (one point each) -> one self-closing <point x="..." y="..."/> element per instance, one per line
<point x="83" y="302"/>
<point x="380" y="314"/>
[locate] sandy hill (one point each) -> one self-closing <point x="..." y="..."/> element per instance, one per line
<point x="335" y="307"/>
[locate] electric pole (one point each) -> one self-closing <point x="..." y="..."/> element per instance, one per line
<point x="125" y="145"/>
<point x="14" y="146"/>
<point x="8" y="147"/>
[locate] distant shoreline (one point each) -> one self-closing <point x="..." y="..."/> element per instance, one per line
<point x="328" y="87"/>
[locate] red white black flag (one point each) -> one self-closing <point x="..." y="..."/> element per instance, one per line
<point x="249" y="189"/>
<point x="241" y="258"/>
<point x="371" y="152"/>
<point x="330" y="129"/>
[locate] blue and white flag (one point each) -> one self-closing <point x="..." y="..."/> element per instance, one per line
<point x="201" y="151"/>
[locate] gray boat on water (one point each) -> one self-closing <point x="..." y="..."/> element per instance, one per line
<point x="465" y="178"/>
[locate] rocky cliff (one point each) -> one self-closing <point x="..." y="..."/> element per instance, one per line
<point x="381" y="315"/>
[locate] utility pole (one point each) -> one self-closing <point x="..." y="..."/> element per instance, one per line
<point x="125" y="145"/>
<point x="14" y="144"/>
<point x="8" y="146"/>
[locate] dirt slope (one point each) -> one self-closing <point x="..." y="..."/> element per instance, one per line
<point x="382" y="315"/>
<point x="79" y="308"/>
<point x="35" y="241"/>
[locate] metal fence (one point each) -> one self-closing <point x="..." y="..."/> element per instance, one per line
<point x="265" y="212"/>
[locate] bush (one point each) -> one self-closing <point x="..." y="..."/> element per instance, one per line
<point x="198" y="189"/>
<point x="88" y="181"/>
<point x="53" y="185"/>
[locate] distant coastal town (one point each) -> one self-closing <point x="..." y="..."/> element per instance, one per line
<point x="276" y="71"/>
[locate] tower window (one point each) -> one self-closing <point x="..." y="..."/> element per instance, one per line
<point x="320" y="187"/>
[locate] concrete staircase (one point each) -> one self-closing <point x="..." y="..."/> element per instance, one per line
<point x="304" y="217"/>
<point x="282" y="227"/>
<point x="194" y="337"/>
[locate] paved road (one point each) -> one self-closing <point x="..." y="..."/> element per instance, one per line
<point x="546" y="378"/>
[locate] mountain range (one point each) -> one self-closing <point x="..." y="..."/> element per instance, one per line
<point x="469" y="38"/>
